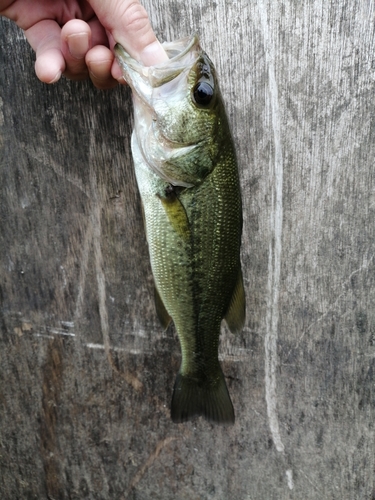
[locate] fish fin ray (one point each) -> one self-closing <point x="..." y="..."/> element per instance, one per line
<point x="161" y="310"/>
<point x="177" y="216"/>
<point x="236" y="312"/>
<point x="209" y="400"/>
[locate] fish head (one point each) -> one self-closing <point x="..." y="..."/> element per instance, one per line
<point x="179" y="115"/>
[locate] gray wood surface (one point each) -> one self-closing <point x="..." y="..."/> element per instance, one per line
<point x="87" y="372"/>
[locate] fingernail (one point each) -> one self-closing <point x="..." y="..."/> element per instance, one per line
<point x="100" y="70"/>
<point x="55" y="78"/>
<point x="153" y="54"/>
<point x="78" y="44"/>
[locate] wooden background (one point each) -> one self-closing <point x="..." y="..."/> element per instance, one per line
<point x="87" y="372"/>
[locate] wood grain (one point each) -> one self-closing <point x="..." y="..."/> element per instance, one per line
<point x="87" y="372"/>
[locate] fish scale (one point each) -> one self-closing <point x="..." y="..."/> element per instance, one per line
<point x="187" y="175"/>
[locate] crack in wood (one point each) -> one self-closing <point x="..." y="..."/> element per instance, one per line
<point x="148" y="463"/>
<point x="51" y="389"/>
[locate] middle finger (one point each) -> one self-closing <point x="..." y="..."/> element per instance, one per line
<point x="75" y="43"/>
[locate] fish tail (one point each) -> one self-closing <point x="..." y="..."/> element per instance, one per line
<point x="210" y="399"/>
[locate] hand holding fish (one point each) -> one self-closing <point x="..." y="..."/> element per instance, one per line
<point x="75" y="37"/>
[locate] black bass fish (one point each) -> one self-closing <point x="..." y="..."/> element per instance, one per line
<point x="187" y="175"/>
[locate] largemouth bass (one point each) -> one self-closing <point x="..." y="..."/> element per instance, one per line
<point x="186" y="171"/>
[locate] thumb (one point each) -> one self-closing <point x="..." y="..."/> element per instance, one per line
<point x="128" y="23"/>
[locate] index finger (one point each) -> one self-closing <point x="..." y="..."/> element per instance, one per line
<point x="129" y="24"/>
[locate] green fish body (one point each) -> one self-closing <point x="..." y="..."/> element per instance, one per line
<point x="187" y="176"/>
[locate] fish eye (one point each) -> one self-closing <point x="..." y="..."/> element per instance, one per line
<point x="203" y="93"/>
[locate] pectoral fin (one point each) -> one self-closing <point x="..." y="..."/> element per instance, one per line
<point x="235" y="315"/>
<point x="161" y="311"/>
<point x="176" y="214"/>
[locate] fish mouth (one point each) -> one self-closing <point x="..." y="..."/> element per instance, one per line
<point x="144" y="79"/>
<point x="181" y="53"/>
<point x="159" y="83"/>
<point x="178" y="49"/>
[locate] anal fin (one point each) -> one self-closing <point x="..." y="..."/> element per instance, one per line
<point x="236" y="313"/>
<point x="161" y="311"/>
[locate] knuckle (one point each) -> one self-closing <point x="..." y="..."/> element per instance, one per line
<point x="135" y="18"/>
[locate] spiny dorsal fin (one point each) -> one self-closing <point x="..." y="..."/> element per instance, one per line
<point x="236" y="313"/>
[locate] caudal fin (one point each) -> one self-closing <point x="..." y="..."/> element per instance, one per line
<point x="210" y="399"/>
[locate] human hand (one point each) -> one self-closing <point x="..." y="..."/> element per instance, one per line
<point x="75" y="37"/>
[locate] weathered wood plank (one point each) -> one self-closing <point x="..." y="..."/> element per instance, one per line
<point x="86" y="371"/>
